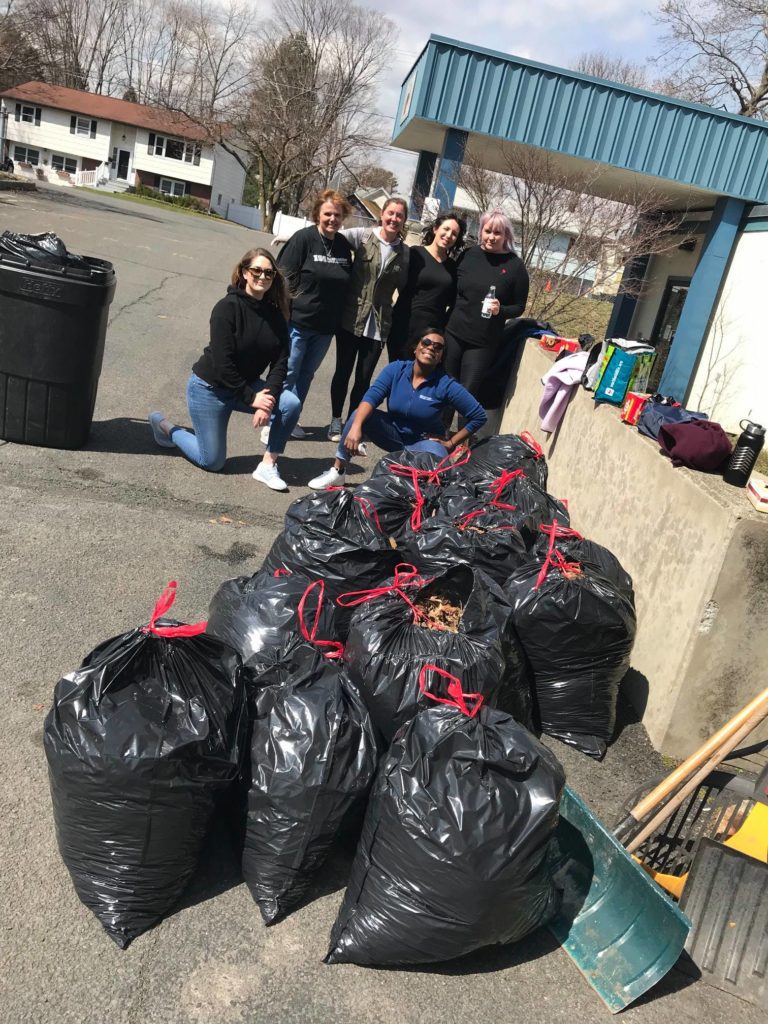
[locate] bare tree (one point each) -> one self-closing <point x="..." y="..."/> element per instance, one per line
<point x="20" y="59"/>
<point x="572" y="241"/>
<point x="717" y="52"/>
<point x="600" y="64"/>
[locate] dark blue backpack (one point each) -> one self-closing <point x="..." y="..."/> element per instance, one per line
<point x="655" y="416"/>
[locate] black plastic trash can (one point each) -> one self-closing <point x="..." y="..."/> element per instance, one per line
<point x="53" y="322"/>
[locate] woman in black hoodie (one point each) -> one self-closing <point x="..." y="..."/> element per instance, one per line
<point x="249" y="332"/>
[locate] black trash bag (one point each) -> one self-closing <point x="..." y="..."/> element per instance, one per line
<point x="256" y="615"/>
<point x="141" y="740"/>
<point x="492" y="455"/>
<point x="46" y="251"/>
<point x="481" y="537"/>
<point x="333" y="536"/>
<point x="389" y="643"/>
<point x="576" y="548"/>
<point x="313" y="756"/>
<point x="527" y="505"/>
<point x="455" y="852"/>
<point x="577" y="630"/>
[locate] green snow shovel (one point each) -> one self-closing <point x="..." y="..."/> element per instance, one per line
<point x="619" y="928"/>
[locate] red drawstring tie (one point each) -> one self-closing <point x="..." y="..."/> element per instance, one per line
<point x="429" y="476"/>
<point x="335" y="649"/>
<point x="282" y="572"/>
<point x="464" y="521"/>
<point x="456" y="696"/>
<point x="498" y="485"/>
<point x="164" y="602"/>
<point x="365" y="505"/>
<point x="406" y="575"/>
<point x="533" y="444"/>
<point x="553" y="557"/>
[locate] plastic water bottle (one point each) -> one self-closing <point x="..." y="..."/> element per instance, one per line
<point x="485" y="312"/>
<point x="745" y="452"/>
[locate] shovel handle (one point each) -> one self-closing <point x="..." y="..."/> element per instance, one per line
<point x="722" y="752"/>
<point x="758" y="706"/>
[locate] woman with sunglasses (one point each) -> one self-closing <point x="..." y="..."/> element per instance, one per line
<point x="430" y="289"/>
<point x="248" y="334"/>
<point x="418" y="392"/>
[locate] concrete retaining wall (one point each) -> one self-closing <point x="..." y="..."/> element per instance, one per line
<point x="696" y="549"/>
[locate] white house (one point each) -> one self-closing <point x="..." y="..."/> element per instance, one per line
<point x="71" y="136"/>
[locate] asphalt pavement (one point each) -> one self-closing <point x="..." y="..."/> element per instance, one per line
<point x="90" y="538"/>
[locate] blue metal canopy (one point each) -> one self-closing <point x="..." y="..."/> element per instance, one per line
<point x="687" y="153"/>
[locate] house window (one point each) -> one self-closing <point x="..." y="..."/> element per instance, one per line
<point x="172" y="188"/>
<point x="23" y="155"/>
<point x="192" y="153"/>
<point x="26" y="114"/>
<point x="174" y="149"/>
<point x="63" y="163"/>
<point x="84" y="126"/>
<point x="218" y="201"/>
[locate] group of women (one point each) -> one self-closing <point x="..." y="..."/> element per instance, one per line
<point x="429" y="305"/>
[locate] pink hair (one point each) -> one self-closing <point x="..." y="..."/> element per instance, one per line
<point x="497" y="215"/>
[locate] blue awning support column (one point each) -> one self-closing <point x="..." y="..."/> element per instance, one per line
<point x="451" y="160"/>
<point x="702" y="297"/>
<point x="626" y="299"/>
<point x="422" y="182"/>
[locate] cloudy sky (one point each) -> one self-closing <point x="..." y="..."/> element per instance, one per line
<point x="552" y="31"/>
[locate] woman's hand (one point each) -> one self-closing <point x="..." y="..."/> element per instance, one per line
<point x="264" y="400"/>
<point x="445" y="441"/>
<point x="494" y="307"/>
<point x="353" y="440"/>
<point x="261" y="418"/>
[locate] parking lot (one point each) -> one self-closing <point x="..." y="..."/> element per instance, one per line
<point x="90" y="538"/>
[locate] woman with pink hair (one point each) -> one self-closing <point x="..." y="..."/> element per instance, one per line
<point x="474" y="330"/>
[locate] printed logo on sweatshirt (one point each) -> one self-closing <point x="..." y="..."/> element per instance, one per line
<point x="322" y="258"/>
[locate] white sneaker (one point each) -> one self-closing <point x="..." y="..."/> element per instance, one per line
<point x="268" y="473"/>
<point x="264" y="435"/>
<point x="298" y="433"/>
<point x="160" y="436"/>
<point x="330" y="478"/>
<point x="334" y="431"/>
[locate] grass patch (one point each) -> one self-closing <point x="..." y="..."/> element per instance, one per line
<point x="129" y="197"/>
<point x="572" y="317"/>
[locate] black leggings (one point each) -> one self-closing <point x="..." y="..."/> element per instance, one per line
<point x="351" y="347"/>
<point x="467" y="364"/>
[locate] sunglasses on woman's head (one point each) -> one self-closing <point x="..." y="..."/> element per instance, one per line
<point x="436" y="346"/>
<point x="268" y="273"/>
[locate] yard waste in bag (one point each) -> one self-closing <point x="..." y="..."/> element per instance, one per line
<point x="141" y="740"/>
<point x="491" y="456"/>
<point x="576" y="548"/>
<point x="481" y="536"/>
<point x="313" y="755"/>
<point x="455" y="851"/>
<point x="256" y="615"/>
<point x="459" y="620"/>
<point x="333" y="536"/>
<point x="577" y="629"/>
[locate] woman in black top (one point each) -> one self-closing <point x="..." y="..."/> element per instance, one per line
<point x="318" y="263"/>
<point x="248" y="333"/>
<point x="430" y="289"/>
<point x="473" y="340"/>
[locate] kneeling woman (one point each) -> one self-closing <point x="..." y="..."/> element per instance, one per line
<point x="418" y="391"/>
<point x="249" y="332"/>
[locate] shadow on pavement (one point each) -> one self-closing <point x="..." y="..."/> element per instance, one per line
<point x="123" y="436"/>
<point x="62" y="198"/>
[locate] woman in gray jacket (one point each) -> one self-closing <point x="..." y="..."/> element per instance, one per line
<point x="379" y="269"/>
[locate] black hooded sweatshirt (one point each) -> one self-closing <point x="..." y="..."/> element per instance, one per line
<point x="247" y="335"/>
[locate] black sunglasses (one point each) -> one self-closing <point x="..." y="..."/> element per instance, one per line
<point x="261" y="272"/>
<point x="436" y="346"/>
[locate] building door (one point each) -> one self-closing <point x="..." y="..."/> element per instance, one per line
<point x="123" y="159"/>
<point x="667" y="319"/>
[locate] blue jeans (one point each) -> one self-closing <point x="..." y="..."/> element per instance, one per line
<point x="381" y="428"/>
<point x="308" y="349"/>
<point x="210" y="409"/>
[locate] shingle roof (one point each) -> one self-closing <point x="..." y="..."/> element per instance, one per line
<point x="108" y="108"/>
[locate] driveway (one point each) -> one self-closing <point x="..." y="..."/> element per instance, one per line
<point x="90" y="538"/>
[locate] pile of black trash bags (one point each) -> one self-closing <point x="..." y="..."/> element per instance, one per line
<point x="384" y="676"/>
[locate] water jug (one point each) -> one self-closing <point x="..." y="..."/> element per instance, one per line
<point x="745" y="452"/>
